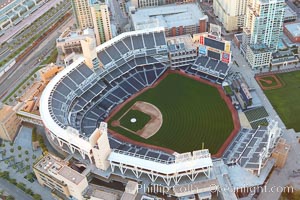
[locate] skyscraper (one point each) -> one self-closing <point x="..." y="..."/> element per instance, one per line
<point x="101" y="21"/>
<point x="262" y="30"/>
<point x="231" y="13"/>
<point x="82" y="13"/>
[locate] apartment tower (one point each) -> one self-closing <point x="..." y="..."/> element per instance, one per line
<point x="82" y="12"/>
<point x="231" y="13"/>
<point x="101" y="22"/>
<point x="93" y="14"/>
<point x="262" y="31"/>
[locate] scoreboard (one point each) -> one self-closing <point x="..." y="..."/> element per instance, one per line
<point x="212" y="47"/>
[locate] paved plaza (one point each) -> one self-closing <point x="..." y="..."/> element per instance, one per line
<point x="283" y="177"/>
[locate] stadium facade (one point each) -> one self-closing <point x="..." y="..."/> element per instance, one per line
<point x="77" y="100"/>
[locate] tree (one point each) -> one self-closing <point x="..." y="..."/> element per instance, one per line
<point x="29" y="176"/>
<point x="11" y="150"/>
<point x="4" y="175"/>
<point x="19" y="148"/>
<point x="26" y="159"/>
<point x="33" y="156"/>
<point x="9" y="197"/>
<point x="37" y="197"/>
<point x="13" y="181"/>
<point x="29" y="191"/>
<point x="22" y="186"/>
<point x="26" y="152"/>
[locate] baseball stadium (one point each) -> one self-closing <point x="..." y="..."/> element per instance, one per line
<point x="147" y="107"/>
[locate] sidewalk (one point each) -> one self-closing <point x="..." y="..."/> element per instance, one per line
<point x="23" y="140"/>
<point x="283" y="176"/>
<point x="13" y="190"/>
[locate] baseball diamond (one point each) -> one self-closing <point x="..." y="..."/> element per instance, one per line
<point x="190" y="118"/>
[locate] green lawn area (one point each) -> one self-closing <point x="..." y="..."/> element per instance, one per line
<point x="192" y="112"/>
<point x="228" y="90"/>
<point x="286" y="100"/>
<point x="141" y="120"/>
<point x="268" y="79"/>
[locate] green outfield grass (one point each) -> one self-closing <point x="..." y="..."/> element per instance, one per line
<point x="286" y="100"/>
<point x="141" y="120"/>
<point x="193" y="113"/>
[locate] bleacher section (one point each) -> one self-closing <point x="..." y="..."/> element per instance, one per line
<point x="139" y="151"/>
<point x="83" y="98"/>
<point x="246" y="148"/>
<point x="71" y="82"/>
<point x="257" y="116"/>
<point x="209" y="68"/>
<point x="125" y="86"/>
<point x="120" y="52"/>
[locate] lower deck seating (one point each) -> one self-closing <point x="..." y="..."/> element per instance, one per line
<point x="96" y="108"/>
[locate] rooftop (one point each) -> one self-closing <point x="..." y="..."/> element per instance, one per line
<point x="75" y="34"/>
<point x="49" y="162"/>
<point x="4" y="3"/>
<point x="282" y="147"/>
<point x="270" y="1"/>
<point x="294" y="29"/>
<point x="239" y="36"/>
<point x="71" y="175"/>
<point x="167" y="16"/>
<point x="5" y="112"/>
<point x="55" y="166"/>
<point x="183" y="42"/>
<point x="289" y="12"/>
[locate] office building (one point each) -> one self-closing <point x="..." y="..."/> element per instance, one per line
<point x="82" y="13"/>
<point x="177" y="19"/>
<point x="289" y="14"/>
<point x="262" y="31"/>
<point x="292" y="31"/>
<point x="54" y="173"/>
<point x="69" y="41"/>
<point x="231" y="13"/>
<point x="9" y="122"/>
<point x="93" y="14"/>
<point x="101" y="21"/>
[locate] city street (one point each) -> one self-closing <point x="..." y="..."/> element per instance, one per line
<point x="282" y="177"/>
<point x="118" y="17"/>
<point x="19" y="72"/>
<point x="26" y="35"/>
<point x="12" y="31"/>
<point x="13" y="190"/>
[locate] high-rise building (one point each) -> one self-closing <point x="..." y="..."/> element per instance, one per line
<point x="101" y="21"/>
<point x="93" y="14"/>
<point x="262" y="30"/>
<point x="231" y="13"/>
<point x="82" y="13"/>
